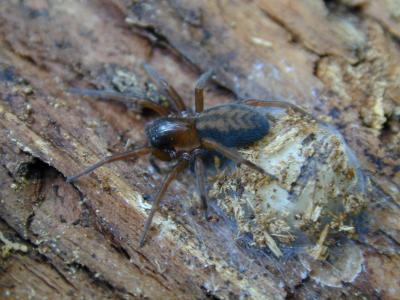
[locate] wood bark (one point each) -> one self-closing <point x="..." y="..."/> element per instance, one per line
<point x="338" y="59"/>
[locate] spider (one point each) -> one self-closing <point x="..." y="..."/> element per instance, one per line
<point x="187" y="137"/>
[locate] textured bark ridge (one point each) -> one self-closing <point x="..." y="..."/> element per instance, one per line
<point x="338" y="59"/>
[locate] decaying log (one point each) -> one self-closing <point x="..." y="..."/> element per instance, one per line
<point x="338" y="59"/>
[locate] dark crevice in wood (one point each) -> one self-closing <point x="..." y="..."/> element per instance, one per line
<point x="337" y="7"/>
<point x="36" y="255"/>
<point x="101" y="282"/>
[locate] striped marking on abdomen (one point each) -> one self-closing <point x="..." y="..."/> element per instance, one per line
<point x="232" y="124"/>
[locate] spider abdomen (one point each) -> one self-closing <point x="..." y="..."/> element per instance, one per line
<point x="232" y="125"/>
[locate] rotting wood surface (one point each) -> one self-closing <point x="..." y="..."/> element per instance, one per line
<point x="339" y="59"/>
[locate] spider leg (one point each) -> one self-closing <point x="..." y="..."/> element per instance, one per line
<point x="201" y="184"/>
<point x="275" y="103"/>
<point x="199" y="90"/>
<point x="233" y="155"/>
<point x="180" y="166"/>
<point x="108" y="159"/>
<point x="154" y="164"/>
<point x="174" y="98"/>
<point x="127" y="99"/>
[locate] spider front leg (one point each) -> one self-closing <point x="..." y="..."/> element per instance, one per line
<point x="179" y="167"/>
<point x="199" y="171"/>
<point x="199" y="90"/>
<point x="127" y="99"/>
<point x="108" y="159"/>
<point x="173" y="97"/>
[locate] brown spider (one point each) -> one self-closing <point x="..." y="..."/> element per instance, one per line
<point x="187" y="137"/>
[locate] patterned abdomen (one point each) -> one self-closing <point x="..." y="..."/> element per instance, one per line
<point x="233" y="125"/>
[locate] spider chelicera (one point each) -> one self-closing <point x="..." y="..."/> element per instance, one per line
<point x="188" y="137"/>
